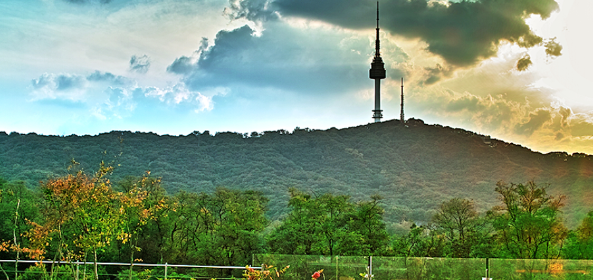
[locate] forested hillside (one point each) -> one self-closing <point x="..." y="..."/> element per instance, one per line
<point x="414" y="167"/>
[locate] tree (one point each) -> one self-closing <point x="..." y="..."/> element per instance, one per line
<point x="330" y="225"/>
<point x="367" y="220"/>
<point x="80" y="211"/>
<point x="421" y="241"/>
<point x="527" y="224"/>
<point x="139" y="204"/>
<point x="580" y="242"/>
<point x="18" y="206"/>
<point x="457" y="219"/>
<point x="147" y="220"/>
<point x="223" y="228"/>
<point x="300" y="232"/>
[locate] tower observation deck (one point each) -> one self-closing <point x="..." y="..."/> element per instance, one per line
<point x="377" y="72"/>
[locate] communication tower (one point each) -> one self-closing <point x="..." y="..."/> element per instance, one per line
<point x="377" y="72"/>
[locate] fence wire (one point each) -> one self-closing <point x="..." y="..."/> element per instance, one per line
<point x="302" y="267"/>
<point x="400" y="268"/>
<point x="31" y="269"/>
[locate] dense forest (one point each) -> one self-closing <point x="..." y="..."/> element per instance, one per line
<point x="413" y="167"/>
<point x="87" y="217"/>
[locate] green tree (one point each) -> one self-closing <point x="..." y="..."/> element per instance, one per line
<point x="300" y="232"/>
<point x="330" y="225"/>
<point x="18" y="206"/>
<point x="223" y="228"/>
<point x="367" y="220"/>
<point x="420" y="241"/>
<point x="457" y="219"/>
<point x="527" y="224"/>
<point x="579" y="244"/>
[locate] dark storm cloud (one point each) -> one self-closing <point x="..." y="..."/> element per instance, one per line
<point x="553" y="48"/>
<point x="536" y="120"/>
<point x="281" y="57"/>
<point x="436" y="73"/>
<point x="462" y="33"/>
<point x="524" y="63"/>
<point x="184" y="65"/>
<point x="139" y="64"/>
<point x="181" y="65"/>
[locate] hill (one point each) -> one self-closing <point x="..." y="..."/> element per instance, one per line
<point x="414" y="167"/>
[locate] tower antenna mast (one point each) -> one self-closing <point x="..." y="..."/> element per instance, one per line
<point x="377" y="73"/>
<point x="401" y="116"/>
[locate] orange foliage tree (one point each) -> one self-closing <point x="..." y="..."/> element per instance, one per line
<point x="80" y="215"/>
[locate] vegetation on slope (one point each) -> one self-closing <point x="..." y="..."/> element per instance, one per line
<point x="413" y="167"/>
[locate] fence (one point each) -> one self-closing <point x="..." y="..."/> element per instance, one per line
<point x="334" y="268"/>
<point x="28" y="269"/>
<point x="393" y="268"/>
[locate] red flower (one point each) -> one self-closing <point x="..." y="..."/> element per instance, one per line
<point x="316" y="275"/>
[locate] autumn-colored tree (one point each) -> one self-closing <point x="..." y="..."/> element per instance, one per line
<point x="80" y="211"/>
<point x="138" y="204"/>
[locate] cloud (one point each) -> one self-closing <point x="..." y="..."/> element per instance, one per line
<point x="139" y="64"/>
<point x="51" y="86"/>
<point x="536" y="120"/>
<point x="73" y="86"/>
<point x="581" y="125"/>
<point x="524" y="62"/>
<point x="311" y="60"/>
<point x="565" y="114"/>
<point x="61" y="82"/>
<point x="106" y="94"/>
<point x="463" y="33"/>
<point x="88" y="1"/>
<point x="553" y="48"/>
<point x="182" y="65"/>
<point x="99" y="76"/>
<point x="185" y="64"/>
<point x="252" y="10"/>
<point x="435" y="74"/>
<point x="468" y="102"/>
<point x="179" y="93"/>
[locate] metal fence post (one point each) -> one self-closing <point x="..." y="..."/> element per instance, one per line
<point x="166" y="271"/>
<point x="487" y="268"/>
<point x="337" y="267"/>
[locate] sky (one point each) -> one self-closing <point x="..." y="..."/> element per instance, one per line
<point x="517" y="70"/>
